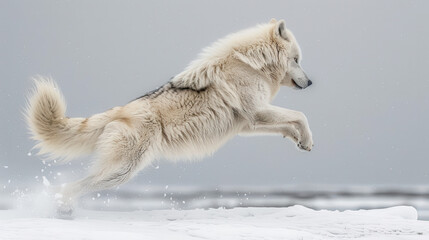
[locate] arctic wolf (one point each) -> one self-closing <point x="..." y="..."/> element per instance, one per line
<point x="225" y="92"/>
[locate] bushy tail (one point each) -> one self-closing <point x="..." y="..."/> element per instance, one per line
<point x="59" y="136"/>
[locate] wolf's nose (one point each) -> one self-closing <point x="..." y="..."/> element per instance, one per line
<point x="309" y="83"/>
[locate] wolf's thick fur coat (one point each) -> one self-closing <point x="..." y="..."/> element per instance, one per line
<point x="225" y="92"/>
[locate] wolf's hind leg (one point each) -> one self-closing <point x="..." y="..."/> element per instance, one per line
<point x="121" y="155"/>
<point x="96" y="181"/>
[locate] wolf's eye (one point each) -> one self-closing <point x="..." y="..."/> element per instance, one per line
<point x="296" y="59"/>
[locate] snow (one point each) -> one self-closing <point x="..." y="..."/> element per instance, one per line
<point x="296" y="222"/>
<point x="178" y="212"/>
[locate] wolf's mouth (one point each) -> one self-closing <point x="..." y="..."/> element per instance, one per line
<point x="296" y="85"/>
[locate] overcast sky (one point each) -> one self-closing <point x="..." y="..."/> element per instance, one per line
<point x="368" y="106"/>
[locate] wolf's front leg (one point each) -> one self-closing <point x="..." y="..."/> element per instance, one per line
<point x="290" y="123"/>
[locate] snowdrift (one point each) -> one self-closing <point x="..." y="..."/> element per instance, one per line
<point x="296" y="222"/>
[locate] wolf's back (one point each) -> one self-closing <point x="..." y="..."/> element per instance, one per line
<point x="59" y="136"/>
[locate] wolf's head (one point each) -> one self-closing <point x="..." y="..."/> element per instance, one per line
<point x="276" y="52"/>
<point x="295" y="75"/>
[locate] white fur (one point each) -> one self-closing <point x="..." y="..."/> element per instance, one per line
<point x="225" y="92"/>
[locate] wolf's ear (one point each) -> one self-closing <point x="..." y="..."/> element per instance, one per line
<point x="280" y="30"/>
<point x="273" y="20"/>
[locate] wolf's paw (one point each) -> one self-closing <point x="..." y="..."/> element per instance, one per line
<point x="65" y="212"/>
<point x="305" y="145"/>
<point x="64" y="208"/>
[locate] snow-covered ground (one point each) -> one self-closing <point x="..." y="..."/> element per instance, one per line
<point x="296" y="222"/>
<point x="168" y="212"/>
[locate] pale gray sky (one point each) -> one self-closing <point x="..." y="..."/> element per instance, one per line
<point x="367" y="107"/>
